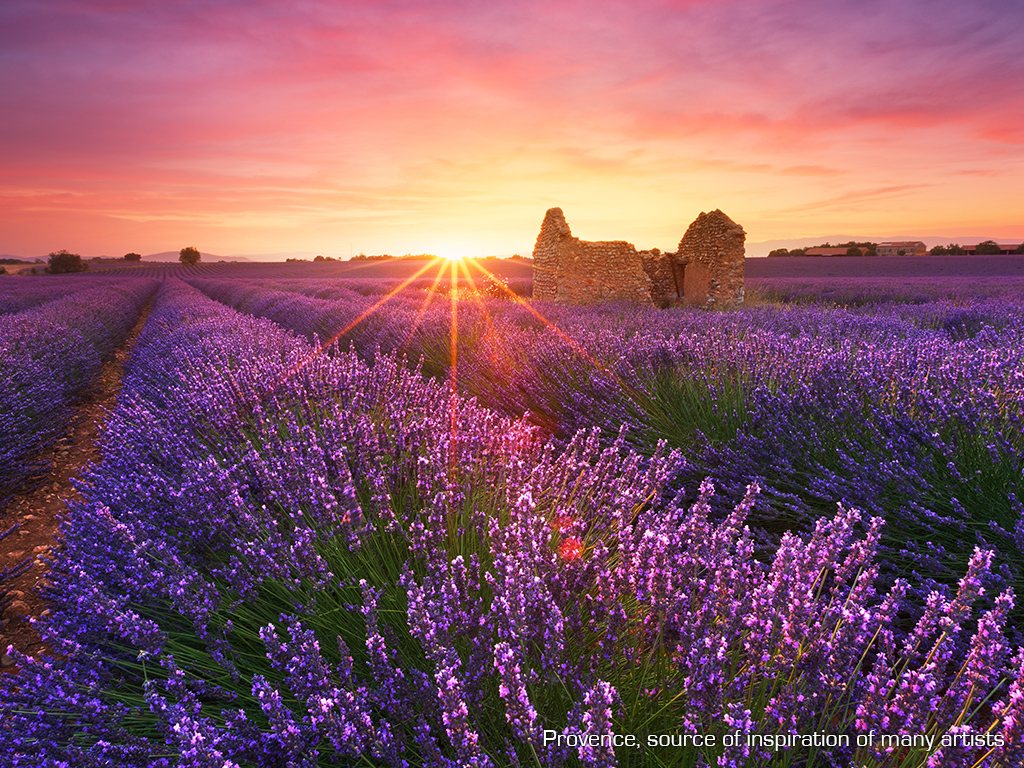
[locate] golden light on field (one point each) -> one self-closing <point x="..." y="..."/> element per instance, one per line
<point x="454" y="273"/>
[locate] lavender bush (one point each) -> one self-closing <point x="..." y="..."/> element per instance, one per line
<point x="291" y="558"/>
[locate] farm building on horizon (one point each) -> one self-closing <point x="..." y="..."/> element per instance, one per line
<point x="902" y="248"/>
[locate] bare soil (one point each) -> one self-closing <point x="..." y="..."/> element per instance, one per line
<point x="38" y="510"/>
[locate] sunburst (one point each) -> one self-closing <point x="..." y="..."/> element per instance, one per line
<point x="452" y="265"/>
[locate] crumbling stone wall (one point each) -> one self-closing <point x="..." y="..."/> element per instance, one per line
<point x="574" y="271"/>
<point x="706" y="270"/>
<point x="712" y="250"/>
<point x="666" y="276"/>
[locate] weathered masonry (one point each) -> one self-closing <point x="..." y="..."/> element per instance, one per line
<point x="706" y="270"/>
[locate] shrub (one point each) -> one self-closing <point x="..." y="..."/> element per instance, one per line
<point x="63" y="262"/>
<point x="133" y="257"/>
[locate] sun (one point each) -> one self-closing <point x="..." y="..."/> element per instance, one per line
<point x="453" y="256"/>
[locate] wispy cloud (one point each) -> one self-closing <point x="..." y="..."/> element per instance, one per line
<point x="856" y="200"/>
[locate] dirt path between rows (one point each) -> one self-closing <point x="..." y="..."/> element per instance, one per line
<point x="38" y="511"/>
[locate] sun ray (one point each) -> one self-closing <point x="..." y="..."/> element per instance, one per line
<point x="453" y="401"/>
<point x="491" y="332"/>
<point x="629" y="389"/>
<point x="295" y="369"/>
<point x="427" y="301"/>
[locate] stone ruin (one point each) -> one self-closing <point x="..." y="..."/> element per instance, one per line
<point x="706" y="270"/>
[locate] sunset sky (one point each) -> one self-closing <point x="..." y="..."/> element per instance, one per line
<point x="451" y="126"/>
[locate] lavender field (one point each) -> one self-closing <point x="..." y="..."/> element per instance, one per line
<point x="403" y="520"/>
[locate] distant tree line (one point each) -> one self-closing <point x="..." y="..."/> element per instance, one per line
<point x="953" y="249"/>
<point x="984" y="248"/>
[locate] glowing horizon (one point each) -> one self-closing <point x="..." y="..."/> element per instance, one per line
<point x="449" y="128"/>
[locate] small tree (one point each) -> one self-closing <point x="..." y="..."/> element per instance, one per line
<point x="853" y="250"/>
<point x="133" y="257"/>
<point x="63" y="262"/>
<point x="988" y="248"/>
<point x="189" y="256"/>
<point x="1020" y="249"/>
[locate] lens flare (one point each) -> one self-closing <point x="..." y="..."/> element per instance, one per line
<point x="570" y="548"/>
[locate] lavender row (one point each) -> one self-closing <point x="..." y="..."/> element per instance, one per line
<point x="51" y="354"/>
<point x="307" y="559"/>
<point x="503" y="344"/>
<point x="912" y="412"/>
<point x="320" y="318"/>
<point x="883" y="290"/>
<point x="19" y="294"/>
<point x="518" y="362"/>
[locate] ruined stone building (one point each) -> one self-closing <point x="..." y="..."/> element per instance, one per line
<point x="706" y="269"/>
